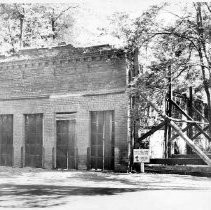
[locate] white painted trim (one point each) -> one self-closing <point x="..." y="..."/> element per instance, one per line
<point x="87" y="93"/>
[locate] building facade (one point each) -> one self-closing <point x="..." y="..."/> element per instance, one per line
<point x="64" y="107"/>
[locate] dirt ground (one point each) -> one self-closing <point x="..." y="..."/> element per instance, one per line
<point x="39" y="188"/>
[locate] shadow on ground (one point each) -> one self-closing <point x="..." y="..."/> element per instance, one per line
<point x="140" y="179"/>
<point x="30" y="196"/>
<point x="41" y="196"/>
<point x="50" y="193"/>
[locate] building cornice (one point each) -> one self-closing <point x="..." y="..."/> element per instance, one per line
<point x="65" y="57"/>
<point x="68" y="95"/>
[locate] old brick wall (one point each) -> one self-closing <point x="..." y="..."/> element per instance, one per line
<point x="82" y="105"/>
<point x="64" y="72"/>
<point x="95" y="82"/>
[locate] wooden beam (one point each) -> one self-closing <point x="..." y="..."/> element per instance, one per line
<point x="153" y="130"/>
<point x="202" y="131"/>
<point x="199" y="133"/>
<point x="187" y="121"/>
<point x="194" y="147"/>
<point x="183" y="112"/>
<point x="177" y="161"/>
<point x="185" y="129"/>
<point x="200" y="114"/>
<point x="177" y="135"/>
<point x="189" y="118"/>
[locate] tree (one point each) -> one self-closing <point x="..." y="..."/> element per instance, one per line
<point x="34" y="25"/>
<point x="13" y="17"/>
<point x="182" y="44"/>
<point x="59" y="18"/>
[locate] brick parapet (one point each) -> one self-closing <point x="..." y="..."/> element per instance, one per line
<point x="63" y="74"/>
<point x="45" y="57"/>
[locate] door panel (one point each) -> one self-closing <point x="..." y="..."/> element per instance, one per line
<point x="62" y="140"/>
<point x="71" y="146"/>
<point x="65" y="146"/>
<point x="102" y="140"/>
<point x="6" y="140"/>
<point x="109" y="141"/>
<point x="33" y="140"/>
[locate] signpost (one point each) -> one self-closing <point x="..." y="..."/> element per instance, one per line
<point x="141" y="156"/>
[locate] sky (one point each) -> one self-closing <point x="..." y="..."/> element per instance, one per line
<point x="93" y="14"/>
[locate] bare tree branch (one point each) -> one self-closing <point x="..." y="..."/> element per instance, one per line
<point x="62" y="12"/>
<point x="207" y="6"/>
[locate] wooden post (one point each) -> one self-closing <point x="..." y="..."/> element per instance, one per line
<point x="166" y="130"/>
<point x="169" y="112"/>
<point x="76" y="158"/>
<point x="190" y="113"/>
<point x="67" y="161"/>
<point x="43" y="157"/>
<point x="53" y="158"/>
<point x="88" y="158"/>
<point x="21" y="157"/>
<point x="133" y="135"/>
<point x="12" y="164"/>
<point x="142" y="167"/>
<point x="129" y="138"/>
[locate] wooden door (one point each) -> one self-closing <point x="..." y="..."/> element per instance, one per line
<point x="33" y="140"/>
<point x="65" y="145"/>
<point x="6" y="140"/>
<point x="102" y="140"/>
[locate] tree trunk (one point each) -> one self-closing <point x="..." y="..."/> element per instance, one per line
<point x="202" y="55"/>
<point x="53" y="28"/>
<point x="21" y="32"/>
<point x="21" y="18"/>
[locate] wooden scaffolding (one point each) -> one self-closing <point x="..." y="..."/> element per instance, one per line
<point x="193" y="129"/>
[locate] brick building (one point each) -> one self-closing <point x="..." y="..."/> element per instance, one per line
<point x="64" y="107"/>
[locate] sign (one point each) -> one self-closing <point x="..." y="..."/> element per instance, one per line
<point x="141" y="155"/>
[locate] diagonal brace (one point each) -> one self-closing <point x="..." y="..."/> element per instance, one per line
<point x="153" y="130"/>
<point x="190" y="118"/>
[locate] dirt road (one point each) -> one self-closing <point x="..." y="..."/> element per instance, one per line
<point x="38" y="188"/>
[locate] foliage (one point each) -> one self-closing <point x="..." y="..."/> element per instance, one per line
<point x="34" y="25"/>
<point x="179" y="48"/>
